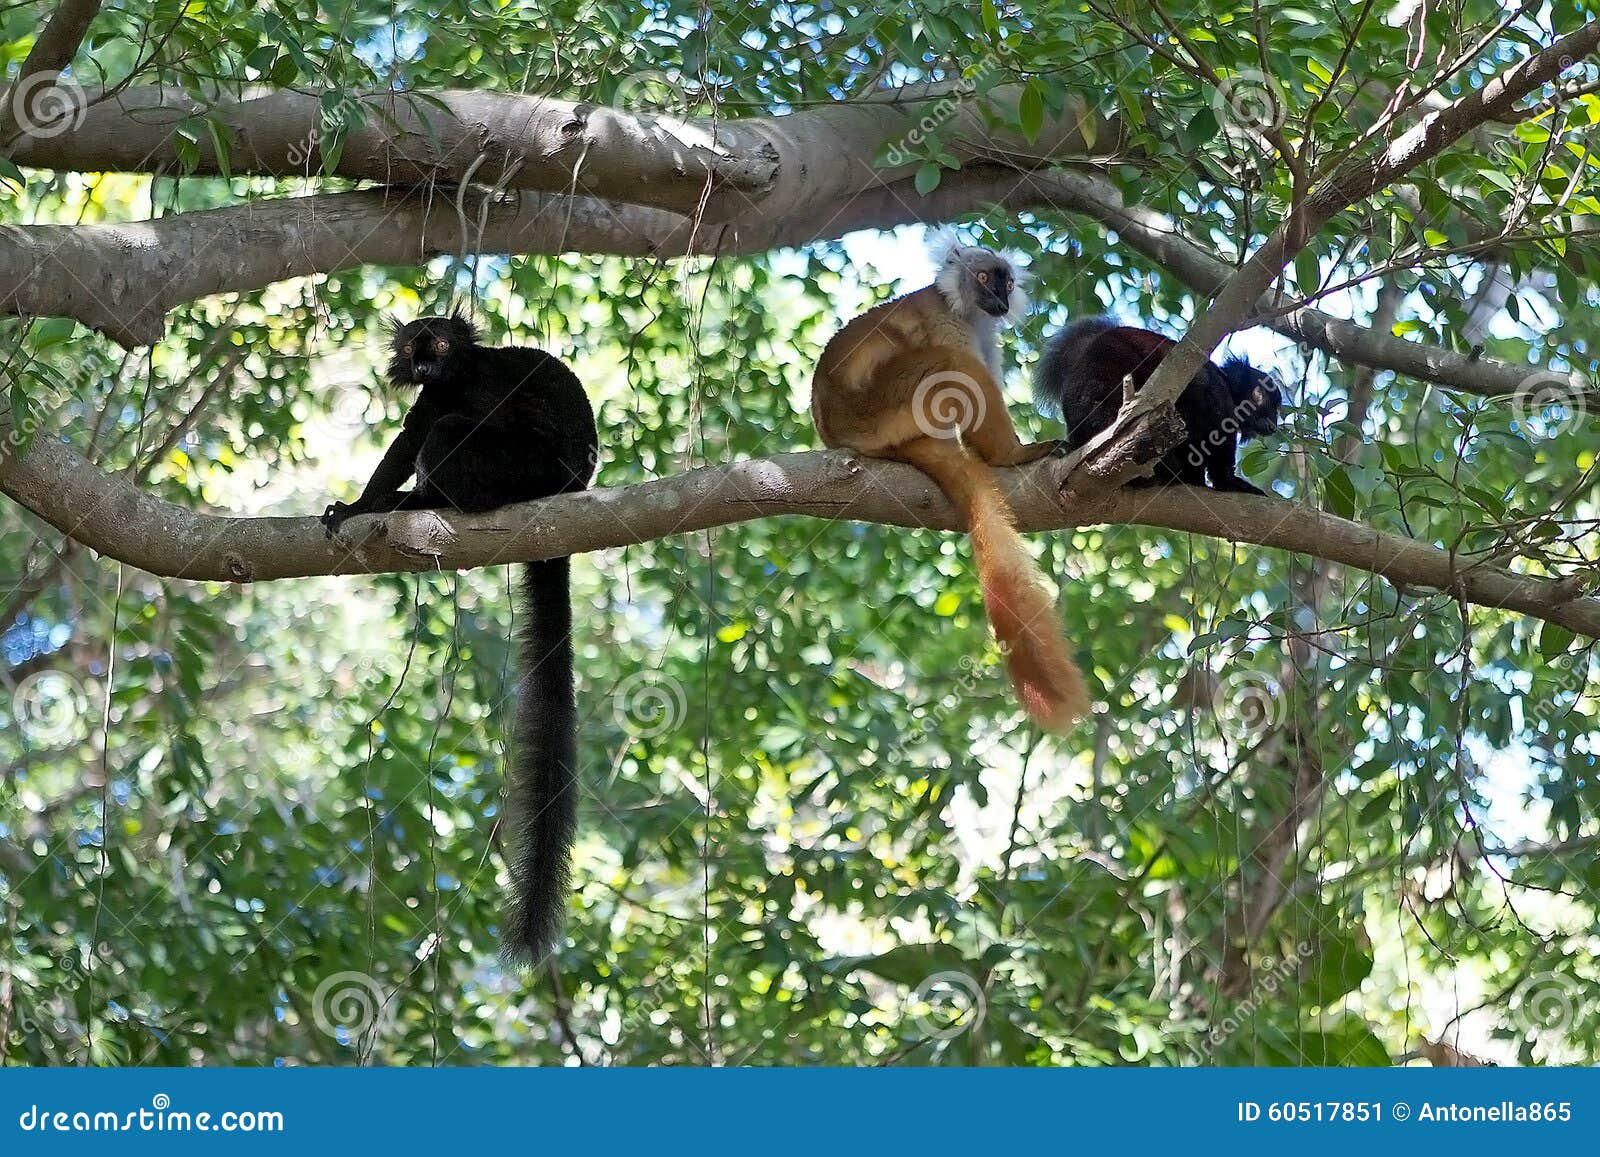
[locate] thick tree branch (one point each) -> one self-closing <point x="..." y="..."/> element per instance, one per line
<point x="122" y="279"/>
<point x="719" y="168"/>
<point x="110" y="515"/>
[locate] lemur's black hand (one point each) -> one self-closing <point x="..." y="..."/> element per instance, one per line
<point x="334" y="516"/>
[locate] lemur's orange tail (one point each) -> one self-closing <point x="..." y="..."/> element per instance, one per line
<point x="1020" y="609"/>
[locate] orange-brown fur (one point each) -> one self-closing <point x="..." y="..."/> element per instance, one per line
<point x="862" y="399"/>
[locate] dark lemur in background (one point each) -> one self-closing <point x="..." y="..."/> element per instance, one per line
<point x="493" y="426"/>
<point x="1079" y="379"/>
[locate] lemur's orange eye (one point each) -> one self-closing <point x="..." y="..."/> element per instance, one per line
<point x="406" y="349"/>
<point x="983" y="278"/>
<point x="440" y="346"/>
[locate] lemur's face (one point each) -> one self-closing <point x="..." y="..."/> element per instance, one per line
<point x="986" y="279"/>
<point x="978" y="280"/>
<point x="1259" y="408"/>
<point x="423" y="351"/>
<point x="992" y="285"/>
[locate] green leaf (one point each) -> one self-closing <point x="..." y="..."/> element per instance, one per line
<point x="1202" y="126"/>
<point x="1349" y="1043"/>
<point x="1340" y="492"/>
<point x="1338" y="966"/>
<point x="912" y="964"/>
<point x="1554" y="640"/>
<point x="991" y="19"/>
<point x="221" y="143"/>
<point x="1307" y="272"/>
<point x="50" y="332"/>
<point x="1030" y="109"/>
<point x="927" y="178"/>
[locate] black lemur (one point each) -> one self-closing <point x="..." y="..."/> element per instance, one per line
<point x="493" y="426"/>
<point x="1079" y="379"/>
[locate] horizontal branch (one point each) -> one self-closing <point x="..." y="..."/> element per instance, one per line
<point x="140" y="271"/>
<point x="122" y="279"/>
<point x="112" y="516"/>
<point x="718" y="167"/>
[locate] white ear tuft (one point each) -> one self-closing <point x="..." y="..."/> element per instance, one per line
<point x="941" y="243"/>
<point x="1019" y="295"/>
<point x="1018" y="308"/>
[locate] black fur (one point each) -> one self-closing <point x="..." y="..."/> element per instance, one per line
<point x="493" y="426"/>
<point x="1080" y="377"/>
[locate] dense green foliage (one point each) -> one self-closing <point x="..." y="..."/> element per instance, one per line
<point x="815" y="822"/>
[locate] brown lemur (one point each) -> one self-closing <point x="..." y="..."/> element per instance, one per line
<point x="917" y="379"/>
<point x="492" y="426"/>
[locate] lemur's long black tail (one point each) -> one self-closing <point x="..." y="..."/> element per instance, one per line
<point x="543" y="793"/>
